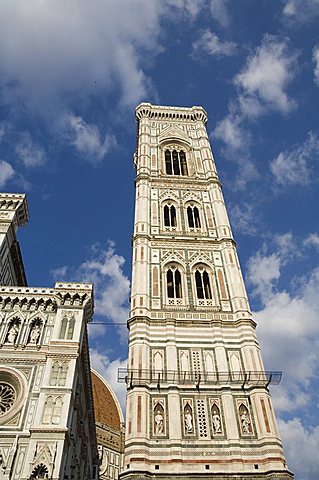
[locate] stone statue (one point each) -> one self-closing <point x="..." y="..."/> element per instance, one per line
<point x="216" y="422"/>
<point x="188" y="420"/>
<point x="245" y="423"/>
<point x="12" y="333"/>
<point x="159" y="422"/>
<point x="100" y="452"/>
<point x="35" y="333"/>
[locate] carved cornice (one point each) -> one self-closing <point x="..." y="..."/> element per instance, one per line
<point x="14" y="202"/>
<point x="165" y="113"/>
<point x="68" y="295"/>
<point x="220" y="319"/>
<point x="207" y="244"/>
<point x="184" y="182"/>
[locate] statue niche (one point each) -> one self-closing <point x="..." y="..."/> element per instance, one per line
<point x="35" y="332"/>
<point x="13" y="331"/>
<point x="159" y="417"/>
<point x="188" y="419"/>
<point x="216" y="419"/>
<point x="245" y="420"/>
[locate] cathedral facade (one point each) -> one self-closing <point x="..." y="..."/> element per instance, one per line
<point x="198" y="403"/>
<point x="47" y="428"/>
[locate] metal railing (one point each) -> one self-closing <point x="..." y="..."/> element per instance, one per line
<point x="135" y="377"/>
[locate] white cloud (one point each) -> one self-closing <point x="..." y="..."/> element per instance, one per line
<point x="294" y="167"/>
<point x="87" y="139"/>
<point x="210" y="44"/>
<point x="6" y="172"/>
<point x="237" y="141"/>
<point x="286" y="246"/>
<point x="191" y="7"/>
<point x="288" y="327"/>
<point x="111" y="286"/>
<point x="109" y="370"/>
<point x="301" y="448"/>
<point x="219" y="11"/>
<point x="312" y="240"/>
<point x="59" y="273"/>
<point x="263" y="271"/>
<point x="66" y="51"/>
<point x="29" y="151"/>
<point x="244" y="218"/>
<point x="261" y="88"/>
<point x="267" y="73"/>
<point x="287" y="323"/>
<point x="301" y="10"/>
<point x="316" y="61"/>
<point x="231" y="132"/>
<point x="2" y="131"/>
<point x="249" y="107"/>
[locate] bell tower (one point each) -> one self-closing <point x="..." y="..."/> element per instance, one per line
<point x="198" y="403"/>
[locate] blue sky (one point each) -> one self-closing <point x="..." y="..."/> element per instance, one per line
<point x="71" y="74"/>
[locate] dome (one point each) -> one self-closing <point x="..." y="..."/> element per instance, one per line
<point x="107" y="409"/>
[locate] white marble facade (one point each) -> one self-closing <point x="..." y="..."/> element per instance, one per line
<point x="46" y="412"/>
<point x="198" y="400"/>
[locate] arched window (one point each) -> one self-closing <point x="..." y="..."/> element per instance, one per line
<point x="175" y="162"/>
<point x="54" y="374"/>
<point x="58" y="374"/>
<point x="183" y="163"/>
<point x="67" y="328"/>
<point x="168" y="163"/>
<point x="57" y="410"/>
<point x="52" y="410"/>
<point x="209" y="362"/>
<point x="47" y="413"/>
<point x="63" y="374"/>
<point x="184" y="361"/>
<point x="203" y="289"/>
<point x="70" y="332"/>
<point x="158" y="362"/>
<point x="63" y="327"/>
<point x="174" y="283"/>
<point x="170" y="216"/>
<point x="193" y="217"/>
<point x="176" y="165"/>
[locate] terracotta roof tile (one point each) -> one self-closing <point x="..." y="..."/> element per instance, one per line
<point x="105" y="408"/>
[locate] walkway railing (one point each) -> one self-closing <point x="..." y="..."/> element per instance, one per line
<point x="174" y="377"/>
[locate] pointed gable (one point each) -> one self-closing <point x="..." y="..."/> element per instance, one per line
<point x="173" y="134"/>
